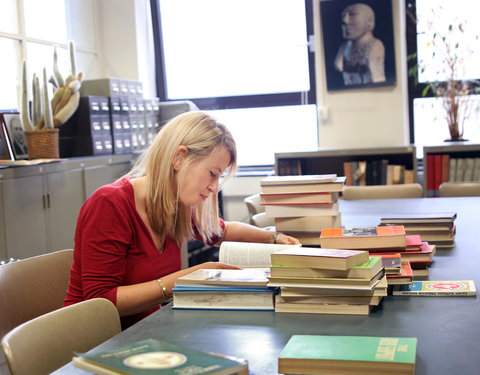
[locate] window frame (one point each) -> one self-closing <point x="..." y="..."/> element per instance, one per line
<point x="233" y="102"/>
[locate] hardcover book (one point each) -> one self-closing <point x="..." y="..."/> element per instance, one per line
<point x="415" y="218"/>
<point x="296" y="179"/>
<point x="437" y="288"/>
<point x="298" y="198"/>
<point x="322" y="308"/>
<point x="295" y="210"/>
<point x="364" y="237"/>
<point x="319" y="258"/>
<point x="314" y="354"/>
<point x="365" y="270"/>
<point x="313" y="187"/>
<point x="250" y="278"/>
<point x="159" y="357"/>
<point x="404" y="277"/>
<point x="308" y="223"/>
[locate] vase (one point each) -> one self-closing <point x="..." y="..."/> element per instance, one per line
<point x="42" y="144"/>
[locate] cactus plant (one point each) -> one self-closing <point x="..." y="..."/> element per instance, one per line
<point x="25" y="115"/>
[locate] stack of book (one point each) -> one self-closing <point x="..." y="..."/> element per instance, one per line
<point x="224" y="289"/>
<point x="436" y="228"/>
<point x="389" y="242"/>
<point x="303" y="205"/>
<point x="327" y="281"/>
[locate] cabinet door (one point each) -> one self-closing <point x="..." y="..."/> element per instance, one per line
<point x="65" y="195"/>
<point x="24" y="209"/>
<point x="99" y="175"/>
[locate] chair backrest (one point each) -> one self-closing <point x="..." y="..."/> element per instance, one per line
<point x="253" y="204"/>
<point x="48" y="342"/>
<point x="460" y="189"/>
<point x="383" y="191"/>
<point x="33" y="287"/>
<point x="262" y="220"/>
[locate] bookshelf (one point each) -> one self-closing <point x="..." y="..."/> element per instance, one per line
<point x="332" y="160"/>
<point x="440" y="164"/>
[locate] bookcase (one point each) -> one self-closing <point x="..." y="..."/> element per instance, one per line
<point x="449" y="162"/>
<point x="332" y="160"/>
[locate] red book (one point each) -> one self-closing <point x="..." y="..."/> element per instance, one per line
<point x="438" y="173"/>
<point x="404" y="277"/>
<point x="366" y="238"/>
<point x="430" y="175"/>
<point x="425" y="253"/>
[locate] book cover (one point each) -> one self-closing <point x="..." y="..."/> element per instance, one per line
<point x="325" y="354"/>
<point x="422" y="217"/>
<point x="249" y="277"/>
<point x="430" y="178"/>
<point x="295" y="210"/>
<point x="223" y="298"/>
<point x="296" y="179"/>
<point x="307" y="223"/>
<point x="319" y="258"/>
<point x="437" y="288"/>
<point x="364" y="237"/>
<point x="148" y="356"/>
<point x="365" y="270"/>
<point x="334" y="186"/>
<point x="298" y="198"/>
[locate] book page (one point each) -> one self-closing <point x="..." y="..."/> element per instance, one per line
<point x="249" y="254"/>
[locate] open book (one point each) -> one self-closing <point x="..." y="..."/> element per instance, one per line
<point x="249" y="254"/>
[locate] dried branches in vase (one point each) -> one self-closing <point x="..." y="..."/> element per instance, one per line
<point x="448" y="48"/>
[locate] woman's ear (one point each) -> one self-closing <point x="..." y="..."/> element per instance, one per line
<point x="179" y="157"/>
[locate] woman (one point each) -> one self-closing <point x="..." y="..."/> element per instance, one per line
<point x="129" y="233"/>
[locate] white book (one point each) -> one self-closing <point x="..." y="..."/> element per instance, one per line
<point x="469" y="165"/>
<point x="328" y="209"/>
<point x="452" y="170"/>
<point x="476" y="170"/>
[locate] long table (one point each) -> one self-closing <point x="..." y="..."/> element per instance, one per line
<point x="447" y="328"/>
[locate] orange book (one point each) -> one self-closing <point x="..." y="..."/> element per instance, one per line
<point x="365" y="238"/>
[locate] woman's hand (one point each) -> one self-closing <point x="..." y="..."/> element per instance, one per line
<point x="287" y="240"/>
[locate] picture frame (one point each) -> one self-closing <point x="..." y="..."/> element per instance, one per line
<point x="358" y="43"/>
<point x="16" y="135"/>
<point x="5" y="147"/>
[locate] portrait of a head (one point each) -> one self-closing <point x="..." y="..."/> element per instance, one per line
<point x="358" y="42"/>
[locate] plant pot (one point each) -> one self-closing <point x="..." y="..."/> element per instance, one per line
<point x="42" y="144"/>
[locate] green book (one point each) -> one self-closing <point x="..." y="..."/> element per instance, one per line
<point x="159" y="357"/>
<point x="307" y="354"/>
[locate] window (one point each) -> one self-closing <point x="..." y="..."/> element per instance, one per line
<point x="427" y="120"/>
<point x="245" y="61"/>
<point x="30" y="29"/>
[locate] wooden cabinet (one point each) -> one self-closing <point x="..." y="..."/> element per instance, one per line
<point x="332" y="161"/>
<point x="39" y="204"/>
<point x="459" y="162"/>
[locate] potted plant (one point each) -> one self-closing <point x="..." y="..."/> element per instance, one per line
<point x="48" y="114"/>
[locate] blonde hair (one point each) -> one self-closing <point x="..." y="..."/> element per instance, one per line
<point x="202" y="135"/>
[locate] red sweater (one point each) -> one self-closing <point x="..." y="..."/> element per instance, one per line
<point x="113" y="247"/>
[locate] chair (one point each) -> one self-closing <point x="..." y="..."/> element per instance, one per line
<point x="262" y="220"/>
<point x="414" y="190"/>
<point x="253" y="205"/>
<point x="48" y="342"/>
<point x="33" y="287"/>
<point x="460" y="189"/>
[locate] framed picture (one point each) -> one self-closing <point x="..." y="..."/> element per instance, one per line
<point x="5" y="149"/>
<point x="16" y="135"/>
<point x="358" y="42"/>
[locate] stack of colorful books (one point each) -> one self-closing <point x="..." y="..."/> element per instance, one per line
<point x="436" y="228"/>
<point x="398" y="251"/>
<point x="303" y="205"/>
<point x="327" y="281"/>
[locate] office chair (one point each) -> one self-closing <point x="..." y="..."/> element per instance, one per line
<point x="460" y="189"/>
<point x="253" y="205"/>
<point x="33" y="287"/>
<point x="414" y="190"/>
<point x="44" y="344"/>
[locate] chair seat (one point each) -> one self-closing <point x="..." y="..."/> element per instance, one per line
<point x="460" y="189"/>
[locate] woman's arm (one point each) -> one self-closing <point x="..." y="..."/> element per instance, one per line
<point x="133" y="299"/>
<point x="242" y="232"/>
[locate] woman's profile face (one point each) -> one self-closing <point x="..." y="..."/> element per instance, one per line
<point x="200" y="178"/>
<point x="356" y="21"/>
